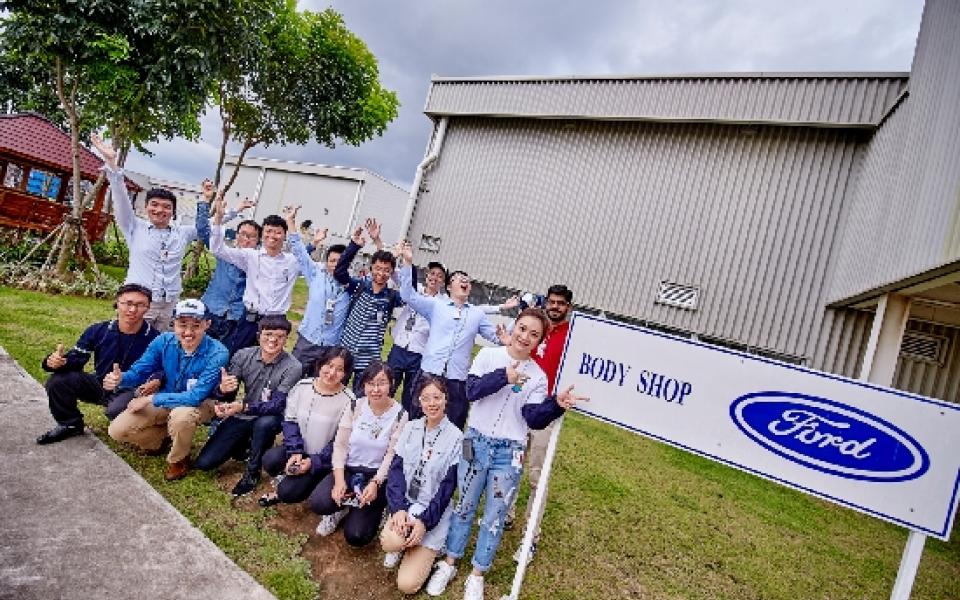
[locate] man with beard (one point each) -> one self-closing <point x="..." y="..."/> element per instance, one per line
<point x="371" y="301"/>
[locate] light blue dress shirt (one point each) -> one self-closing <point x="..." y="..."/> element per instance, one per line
<point x="452" y="330"/>
<point x="322" y="287"/>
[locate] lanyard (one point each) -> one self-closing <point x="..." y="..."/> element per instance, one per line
<point x="182" y="371"/>
<point x="426" y="451"/>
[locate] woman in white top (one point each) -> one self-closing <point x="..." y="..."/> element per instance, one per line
<point x="362" y="453"/>
<point x="508" y="394"/>
<point x="313" y="411"/>
<point x="420" y="484"/>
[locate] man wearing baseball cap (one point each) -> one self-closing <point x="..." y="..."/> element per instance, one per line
<point x="191" y="363"/>
<point x="120" y="341"/>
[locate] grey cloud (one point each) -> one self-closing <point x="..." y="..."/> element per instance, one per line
<point x="413" y="40"/>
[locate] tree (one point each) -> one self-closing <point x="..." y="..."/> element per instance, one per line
<point x="142" y="70"/>
<point x="310" y="78"/>
<point x="306" y="77"/>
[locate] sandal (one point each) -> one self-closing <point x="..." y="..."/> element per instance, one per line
<point x="268" y="500"/>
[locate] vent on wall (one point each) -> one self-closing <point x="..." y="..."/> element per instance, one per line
<point x="429" y="243"/>
<point x="923" y="347"/>
<point x="681" y="296"/>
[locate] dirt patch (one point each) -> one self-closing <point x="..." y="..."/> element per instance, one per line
<point x="341" y="571"/>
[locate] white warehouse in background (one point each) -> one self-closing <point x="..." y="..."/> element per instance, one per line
<point x="336" y="198"/>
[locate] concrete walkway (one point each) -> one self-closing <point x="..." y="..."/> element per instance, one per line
<point x="76" y="522"/>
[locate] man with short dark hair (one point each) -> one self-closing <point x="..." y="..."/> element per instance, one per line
<point x="410" y="334"/>
<point x="191" y="362"/>
<point x="224" y="294"/>
<point x="271" y="272"/>
<point x="157" y="246"/>
<point x="371" y="301"/>
<point x="327" y="302"/>
<point x="454" y="325"/>
<point x="268" y="374"/>
<point x="120" y="341"/>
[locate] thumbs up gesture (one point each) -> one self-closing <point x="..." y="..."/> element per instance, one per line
<point x="57" y="359"/>
<point x="228" y="383"/>
<point x="112" y="380"/>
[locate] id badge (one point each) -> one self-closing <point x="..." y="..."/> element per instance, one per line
<point x="328" y="314"/>
<point x="191" y="383"/>
<point x="411" y="321"/>
<point x="517" y="462"/>
<point x="379" y="316"/>
<point x="468" y="450"/>
<point x="265" y="395"/>
<point x="413" y="490"/>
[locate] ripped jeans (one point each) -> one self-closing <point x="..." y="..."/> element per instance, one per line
<point x="495" y="470"/>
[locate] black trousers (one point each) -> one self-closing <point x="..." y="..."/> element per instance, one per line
<point x="293" y="488"/>
<point x="457" y="404"/>
<point x="233" y="436"/>
<point x="65" y="389"/>
<point x="360" y="525"/>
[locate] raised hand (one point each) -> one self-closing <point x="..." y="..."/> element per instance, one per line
<point x="245" y="204"/>
<point x="512" y="302"/>
<point x="112" y="379"/>
<point x="319" y="235"/>
<point x="503" y="335"/>
<point x="105" y="149"/>
<point x="357" y="237"/>
<point x="373" y="228"/>
<point x="228" y="383"/>
<point x="289" y="214"/>
<point x="57" y="359"/>
<point x="406" y="251"/>
<point x="567" y="399"/>
<point x="218" y="208"/>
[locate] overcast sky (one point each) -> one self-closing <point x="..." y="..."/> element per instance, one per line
<point x="417" y="38"/>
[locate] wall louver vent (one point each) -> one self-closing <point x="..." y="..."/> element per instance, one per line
<point x="681" y="296"/>
<point x="923" y="347"/>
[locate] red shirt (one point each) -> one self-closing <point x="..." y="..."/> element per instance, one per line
<point x="550" y="351"/>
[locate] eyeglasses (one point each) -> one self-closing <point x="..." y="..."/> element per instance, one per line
<point x="137" y="305"/>
<point x="460" y="279"/>
<point x="248" y="236"/>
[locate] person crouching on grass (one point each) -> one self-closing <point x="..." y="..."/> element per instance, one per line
<point x="268" y="373"/>
<point x="508" y="394"/>
<point x="191" y="364"/>
<point x="362" y="453"/>
<point x="313" y="412"/>
<point x="420" y="484"/>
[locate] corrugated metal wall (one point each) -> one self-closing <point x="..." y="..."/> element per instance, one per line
<point x="826" y="100"/>
<point x="905" y="215"/>
<point x="747" y="214"/>
<point x="384" y="201"/>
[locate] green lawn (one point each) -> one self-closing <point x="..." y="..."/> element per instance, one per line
<point x="627" y="518"/>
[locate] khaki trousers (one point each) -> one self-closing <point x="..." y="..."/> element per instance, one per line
<point x="416" y="563"/>
<point x="147" y="427"/>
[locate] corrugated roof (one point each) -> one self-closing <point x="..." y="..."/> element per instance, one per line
<point x="853" y="100"/>
<point x="297" y="166"/>
<point x="33" y="136"/>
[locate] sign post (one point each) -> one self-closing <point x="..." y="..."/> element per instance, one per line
<point x="884" y="452"/>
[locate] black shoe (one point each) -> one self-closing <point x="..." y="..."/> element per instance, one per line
<point x="247" y="484"/>
<point x="268" y="500"/>
<point x="60" y="433"/>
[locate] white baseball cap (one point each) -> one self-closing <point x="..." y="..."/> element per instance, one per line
<point x="190" y="308"/>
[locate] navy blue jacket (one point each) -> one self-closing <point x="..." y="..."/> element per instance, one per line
<point x="108" y="346"/>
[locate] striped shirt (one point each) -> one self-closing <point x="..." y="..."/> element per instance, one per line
<point x="367" y="323"/>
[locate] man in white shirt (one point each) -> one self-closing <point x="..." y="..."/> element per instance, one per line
<point x="157" y="246"/>
<point x="271" y="272"/>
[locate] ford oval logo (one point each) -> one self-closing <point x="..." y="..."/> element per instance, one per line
<point x="829" y="436"/>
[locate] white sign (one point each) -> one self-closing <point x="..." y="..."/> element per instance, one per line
<point x="884" y="452"/>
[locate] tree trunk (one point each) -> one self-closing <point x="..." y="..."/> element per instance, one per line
<point x="236" y="169"/>
<point x="76" y="212"/>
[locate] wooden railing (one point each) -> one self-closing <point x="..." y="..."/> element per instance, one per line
<point x="26" y="211"/>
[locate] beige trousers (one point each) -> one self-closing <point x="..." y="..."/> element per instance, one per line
<point x="147" y="427"/>
<point x="416" y="563"/>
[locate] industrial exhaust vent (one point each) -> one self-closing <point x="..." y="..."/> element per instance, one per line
<point x="924" y="347"/>
<point x="681" y="296"/>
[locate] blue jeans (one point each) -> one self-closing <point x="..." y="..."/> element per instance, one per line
<point x="494" y="472"/>
<point x="235" y="434"/>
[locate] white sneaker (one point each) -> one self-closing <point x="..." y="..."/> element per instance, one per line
<point x="392" y="559"/>
<point x="441" y="578"/>
<point x="328" y="523"/>
<point x="474" y="588"/>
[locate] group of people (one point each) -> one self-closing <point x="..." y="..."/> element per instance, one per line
<point x="349" y="448"/>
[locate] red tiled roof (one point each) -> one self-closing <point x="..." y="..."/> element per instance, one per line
<point x="32" y="136"/>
